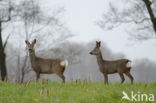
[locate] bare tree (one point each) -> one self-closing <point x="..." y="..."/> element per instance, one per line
<point x="68" y="50"/>
<point x="5" y="17"/>
<point x="34" y="23"/>
<point x="27" y="12"/>
<point x="141" y="71"/>
<point x="137" y="16"/>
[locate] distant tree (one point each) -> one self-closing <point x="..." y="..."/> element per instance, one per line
<point x="33" y="22"/>
<point x="139" y="17"/>
<point x="71" y="51"/>
<point x="5" y="16"/>
<point x="145" y="70"/>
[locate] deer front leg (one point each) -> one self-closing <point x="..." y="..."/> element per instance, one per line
<point x="122" y="77"/>
<point x="37" y="76"/>
<point x="105" y="79"/>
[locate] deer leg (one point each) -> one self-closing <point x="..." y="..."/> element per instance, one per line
<point x="105" y="79"/>
<point x="122" y="77"/>
<point x="62" y="77"/>
<point x="37" y="76"/>
<point x="130" y="76"/>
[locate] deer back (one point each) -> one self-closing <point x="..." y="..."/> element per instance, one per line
<point x="47" y="65"/>
<point x="114" y="66"/>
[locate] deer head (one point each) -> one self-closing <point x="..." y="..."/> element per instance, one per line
<point x="96" y="50"/>
<point x="30" y="45"/>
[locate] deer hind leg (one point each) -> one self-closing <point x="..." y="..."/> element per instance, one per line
<point x="130" y="76"/>
<point x="63" y="69"/>
<point x="122" y="77"/>
<point x="105" y="78"/>
<point x="37" y="76"/>
<point x="62" y="77"/>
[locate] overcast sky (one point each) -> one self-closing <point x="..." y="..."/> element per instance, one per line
<point x="81" y="16"/>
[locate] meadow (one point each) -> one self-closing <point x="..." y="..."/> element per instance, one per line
<point x="71" y="92"/>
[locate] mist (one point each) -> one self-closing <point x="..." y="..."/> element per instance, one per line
<point x="82" y="65"/>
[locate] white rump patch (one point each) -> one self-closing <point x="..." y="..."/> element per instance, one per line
<point x="64" y="63"/>
<point x="128" y="65"/>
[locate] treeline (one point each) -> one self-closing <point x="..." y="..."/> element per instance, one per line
<point x="82" y="65"/>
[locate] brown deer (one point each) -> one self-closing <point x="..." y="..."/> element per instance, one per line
<point x="46" y="66"/>
<point x="121" y="66"/>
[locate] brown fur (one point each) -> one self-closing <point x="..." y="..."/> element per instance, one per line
<point x="110" y="67"/>
<point x="45" y="66"/>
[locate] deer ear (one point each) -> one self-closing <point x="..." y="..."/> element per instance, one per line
<point x="34" y="41"/>
<point x="99" y="43"/>
<point x="27" y="42"/>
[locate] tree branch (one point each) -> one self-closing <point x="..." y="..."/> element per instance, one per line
<point x="48" y="22"/>
<point x="151" y="14"/>
<point x="9" y="18"/>
<point x="6" y="41"/>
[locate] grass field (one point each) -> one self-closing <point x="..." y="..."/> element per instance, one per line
<point x="71" y="92"/>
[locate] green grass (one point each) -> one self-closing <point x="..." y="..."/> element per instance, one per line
<point x="71" y="92"/>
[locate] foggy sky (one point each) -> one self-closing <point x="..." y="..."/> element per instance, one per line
<point x="81" y="17"/>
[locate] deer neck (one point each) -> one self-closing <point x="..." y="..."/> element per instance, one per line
<point x="99" y="58"/>
<point x="32" y="56"/>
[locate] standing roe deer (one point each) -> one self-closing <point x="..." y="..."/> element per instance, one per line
<point x="46" y="66"/>
<point x="109" y="67"/>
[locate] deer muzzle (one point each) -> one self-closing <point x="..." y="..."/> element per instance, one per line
<point x="91" y="53"/>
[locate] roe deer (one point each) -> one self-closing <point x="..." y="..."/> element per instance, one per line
<point x="46" y="66"/>
<point x="109" y="67"/>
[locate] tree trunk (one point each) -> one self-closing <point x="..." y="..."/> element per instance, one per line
<point x="2" y="57"/>
<point x="23" y="69"/>
<point x="151" y="14"/>
<point x="22" y="78"/>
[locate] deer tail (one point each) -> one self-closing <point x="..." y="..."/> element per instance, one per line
<point x="129" y="64"/>
<point x="64" y="63"/>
